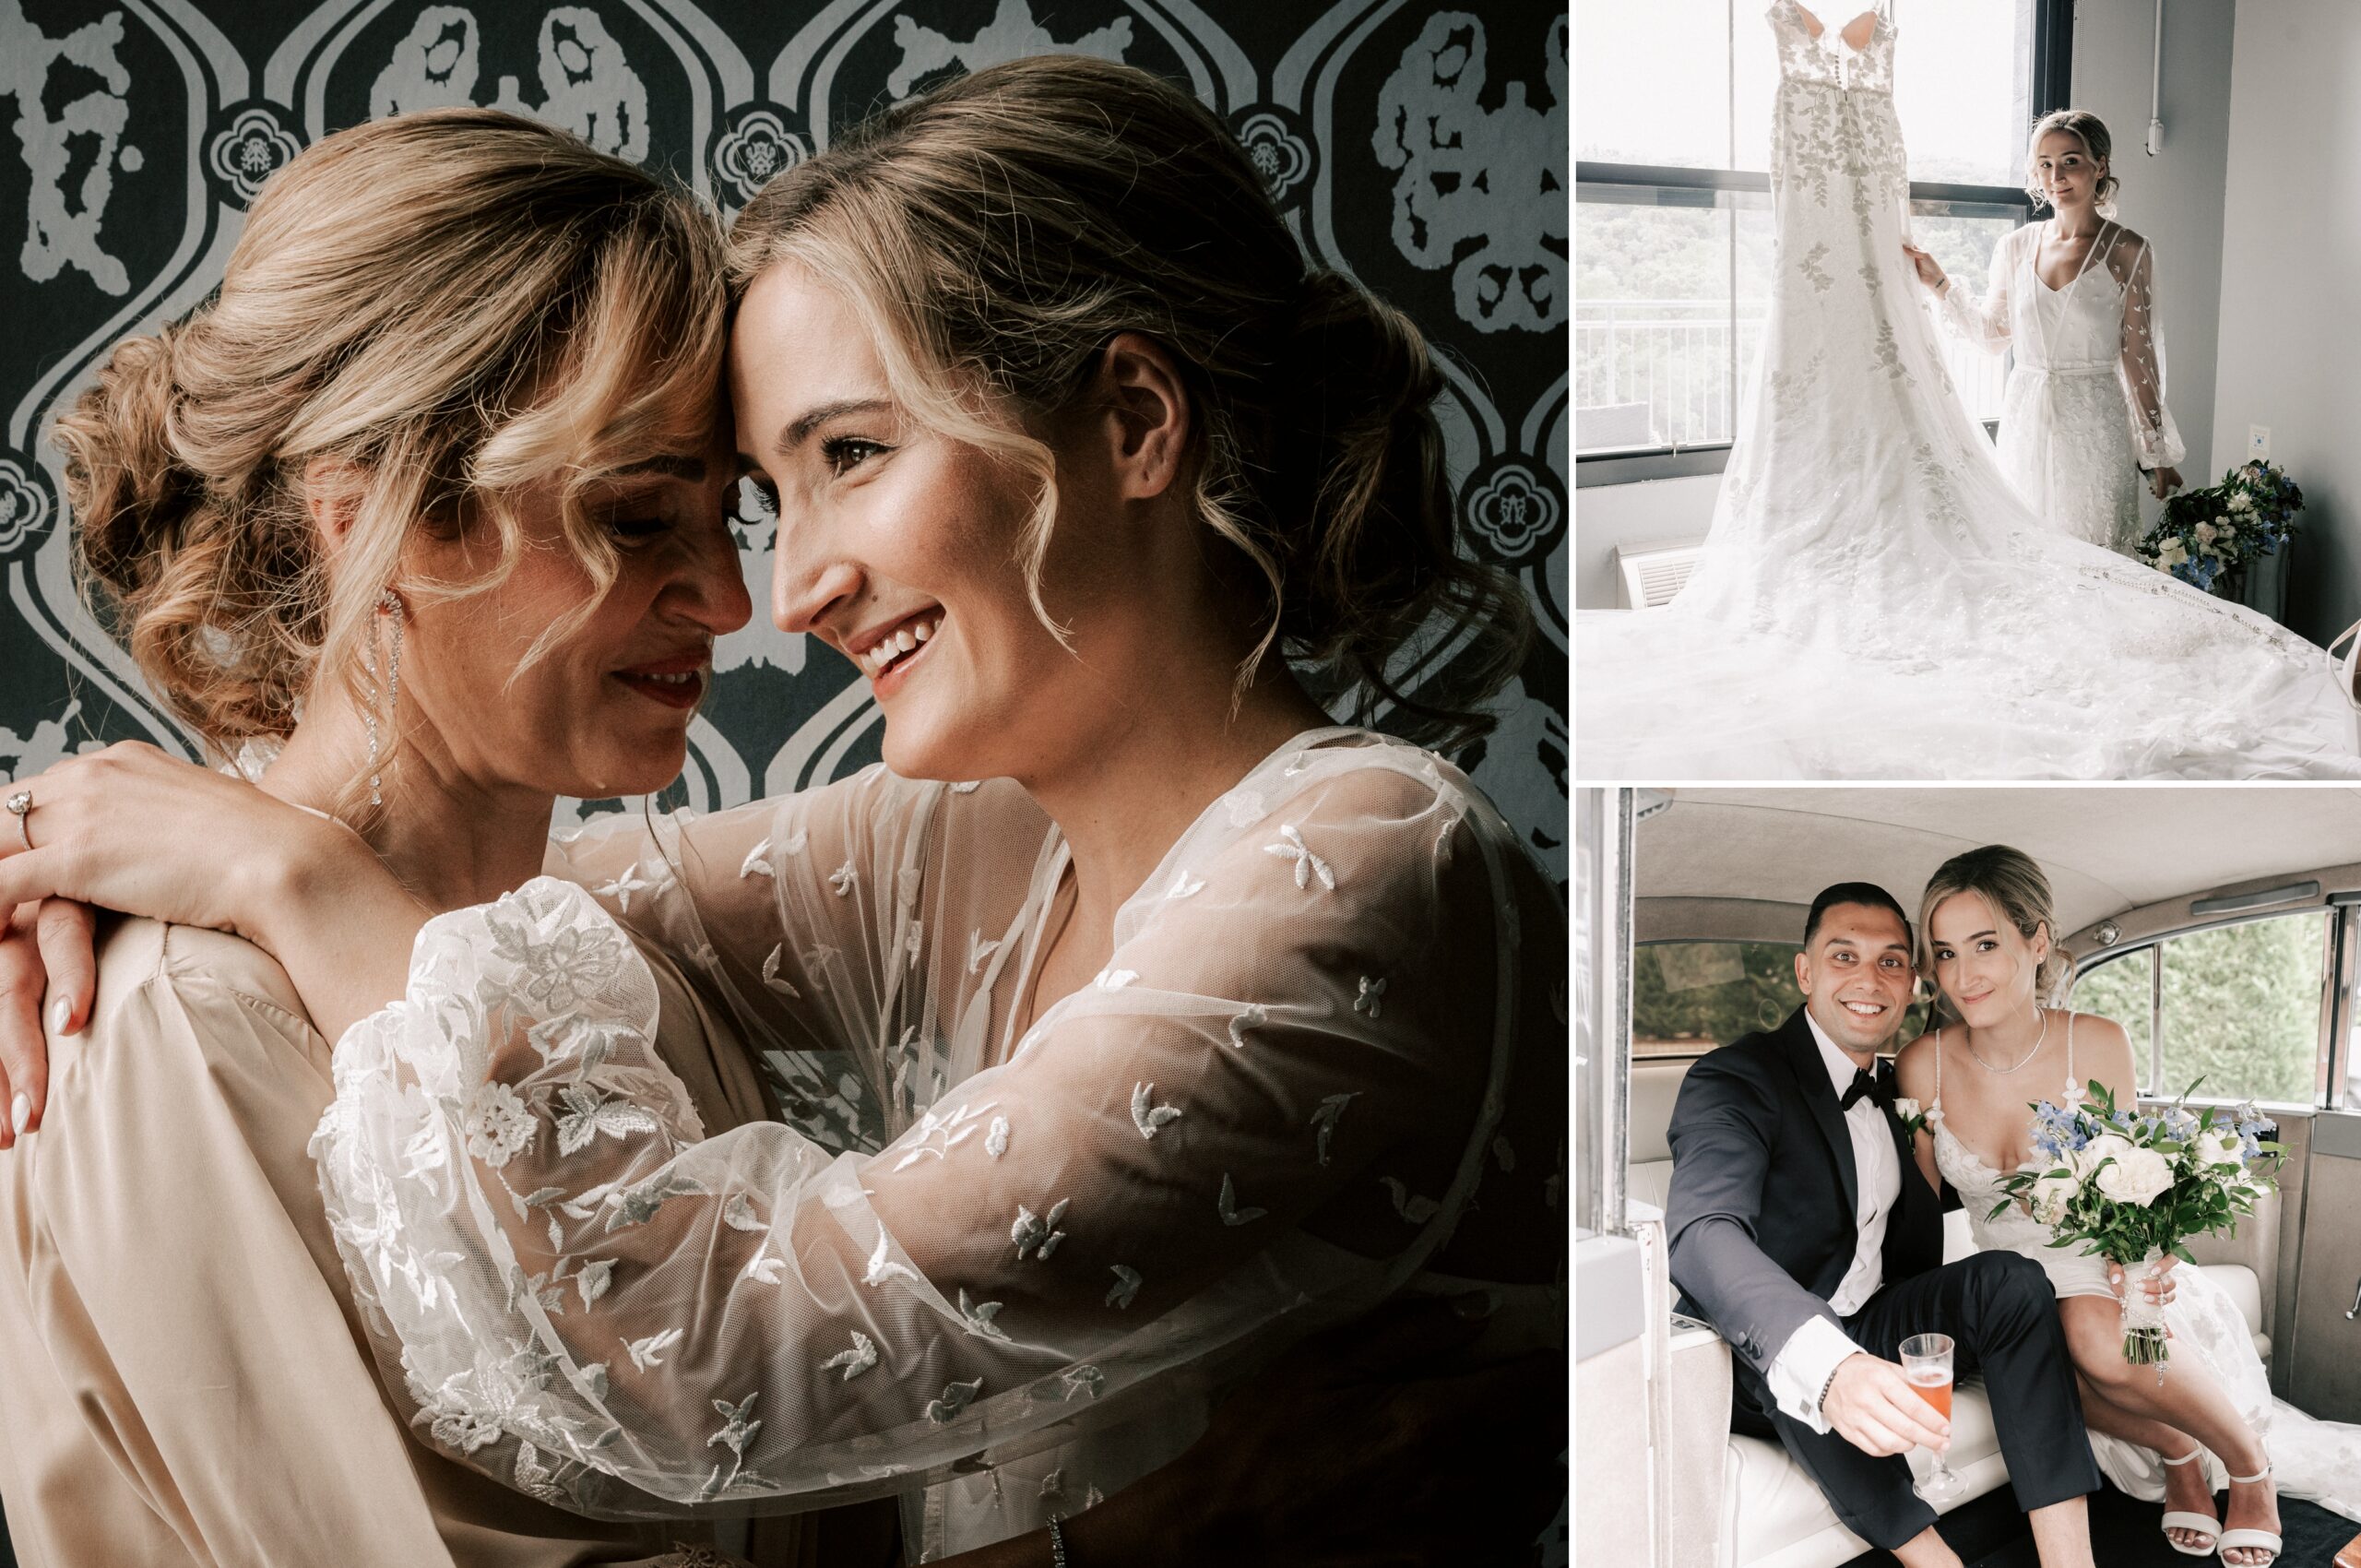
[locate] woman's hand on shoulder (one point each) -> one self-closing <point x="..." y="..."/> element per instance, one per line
<point x="131" y="828"/>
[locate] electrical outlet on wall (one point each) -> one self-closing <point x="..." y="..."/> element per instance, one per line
<point x="2257" y="442"/>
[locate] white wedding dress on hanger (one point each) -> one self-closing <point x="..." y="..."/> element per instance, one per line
<point x="1875" y="600"/>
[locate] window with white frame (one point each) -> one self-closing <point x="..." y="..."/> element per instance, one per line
<point x="1673" y="227"/>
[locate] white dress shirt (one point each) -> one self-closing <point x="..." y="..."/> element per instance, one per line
<point x="1800" y="1370"/>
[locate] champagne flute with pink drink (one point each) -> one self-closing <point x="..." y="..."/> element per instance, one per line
<point x="1927" y="1362"/>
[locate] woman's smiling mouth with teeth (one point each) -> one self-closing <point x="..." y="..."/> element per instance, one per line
<point x="906" y="639"/>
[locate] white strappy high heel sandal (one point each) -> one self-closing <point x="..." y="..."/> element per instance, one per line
<point x="2196" y="1524"/>
<point x="2248" y="1541"/>
<point x="2347" y="674"/>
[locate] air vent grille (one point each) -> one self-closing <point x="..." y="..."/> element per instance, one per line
<point x="1648" y="577"/>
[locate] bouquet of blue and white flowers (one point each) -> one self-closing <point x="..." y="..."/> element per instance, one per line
<point x="2202" y="535"/>
<point x="2132" y="1187"/>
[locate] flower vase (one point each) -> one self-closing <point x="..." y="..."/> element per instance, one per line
<point x="2143" y="1320"/>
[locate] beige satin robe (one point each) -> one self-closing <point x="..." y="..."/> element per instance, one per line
<point x="182" y="1377"/>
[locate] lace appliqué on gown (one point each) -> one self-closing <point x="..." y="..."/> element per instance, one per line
<point x="1875" y="600"/>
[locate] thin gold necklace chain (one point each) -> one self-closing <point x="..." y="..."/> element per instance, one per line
<point x="2004" y="1072"/>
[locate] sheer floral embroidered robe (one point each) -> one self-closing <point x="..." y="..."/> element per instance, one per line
<point x="1009" y="1267"/>
<point x="2084" y="410"/>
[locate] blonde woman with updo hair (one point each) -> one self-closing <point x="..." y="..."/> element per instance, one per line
<point x="1132" y="1019"/>
<point x="2074" y="297"/>
<point x="1988" y="944"/>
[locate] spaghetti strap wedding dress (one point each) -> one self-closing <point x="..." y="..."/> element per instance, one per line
<point x="2311" y="1458"/>
<point x="1875" y="600"/>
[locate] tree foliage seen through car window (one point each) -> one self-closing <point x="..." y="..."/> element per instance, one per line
<point x="1687" y="997"/>
<point x="2241" y="1009"/>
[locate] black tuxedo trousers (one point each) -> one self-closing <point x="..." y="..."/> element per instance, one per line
<point x="1761" y="1222"/>
<point x="2003" y="1316"/>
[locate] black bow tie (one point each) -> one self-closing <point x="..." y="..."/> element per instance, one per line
<point x="1867" y="1087"/>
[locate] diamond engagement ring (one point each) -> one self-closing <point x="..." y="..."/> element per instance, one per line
<point x="20" y="806"/>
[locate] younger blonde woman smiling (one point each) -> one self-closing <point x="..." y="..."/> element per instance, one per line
<point x="1133" y="1019"/>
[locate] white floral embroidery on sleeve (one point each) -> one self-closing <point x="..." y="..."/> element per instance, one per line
<point x="1149" y="1118"/>
<point x="1307" y="864"/>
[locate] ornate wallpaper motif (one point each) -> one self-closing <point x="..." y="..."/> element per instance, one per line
<point x="1421" y="149"/>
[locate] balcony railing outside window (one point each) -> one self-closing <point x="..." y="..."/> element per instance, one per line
<point x="1674" y="246"/>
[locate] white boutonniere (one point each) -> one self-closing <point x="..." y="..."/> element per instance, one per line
<point x="1913" y="1116"/>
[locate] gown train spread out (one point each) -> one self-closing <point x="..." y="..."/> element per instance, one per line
<point x="1875" y="600"/>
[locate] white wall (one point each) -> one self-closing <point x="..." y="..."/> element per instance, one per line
<point x="2290" y="336"/>
<point x="2175" y="200"/>
<point x="1661" y="511"/>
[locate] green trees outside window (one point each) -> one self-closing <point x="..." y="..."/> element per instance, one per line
<point x="2240" y="1008"/>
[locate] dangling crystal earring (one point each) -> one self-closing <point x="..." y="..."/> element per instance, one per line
<point x="389" y="609"/>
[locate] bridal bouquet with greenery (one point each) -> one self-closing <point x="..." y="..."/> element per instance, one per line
<point x="2205" y="533"/>
<point x="2131" y="1187"/>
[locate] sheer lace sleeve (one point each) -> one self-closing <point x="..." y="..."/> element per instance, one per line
<point x="598" y="1304"/>
<point x="798" y="920"/>
<point x="2142" y="368"/>
<point x="1984" y="322"/>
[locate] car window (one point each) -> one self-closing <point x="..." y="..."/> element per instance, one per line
<point x="2124" y="989"/>
<point x="1687" y="997"/>
<point x="2237" y="1012"/>
<point x="2242" y="1010"/>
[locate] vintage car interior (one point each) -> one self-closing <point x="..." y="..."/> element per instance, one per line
<point x="2222" y="927"/>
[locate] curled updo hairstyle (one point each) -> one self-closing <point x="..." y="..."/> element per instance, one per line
<point x="2096" y="141"/>
<point x="2018" y="893"/>
<point x="993" y="234"/>
<point x="447" y="307"/>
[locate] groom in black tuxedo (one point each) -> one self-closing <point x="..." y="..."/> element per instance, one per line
<point x="1802" y="1228"/>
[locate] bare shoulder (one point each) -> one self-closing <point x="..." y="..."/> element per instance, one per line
<point x="2102" y="1050"/>
<point x="1914" y="1064"/>
<point x="2097" y="1031"/>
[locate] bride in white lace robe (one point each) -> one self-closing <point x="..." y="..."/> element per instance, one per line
<point x="1875" y="600"/>
<point x="2084" y="411"/>
<point x="1319" y="1034"/>
<point x="1020" y="1222"/>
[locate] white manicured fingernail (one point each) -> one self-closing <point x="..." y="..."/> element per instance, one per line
<point x="61" y="1015"/>
<point x="20" y="1111"/>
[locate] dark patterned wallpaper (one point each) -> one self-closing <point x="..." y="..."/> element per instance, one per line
<point x="1419" y="147"/>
